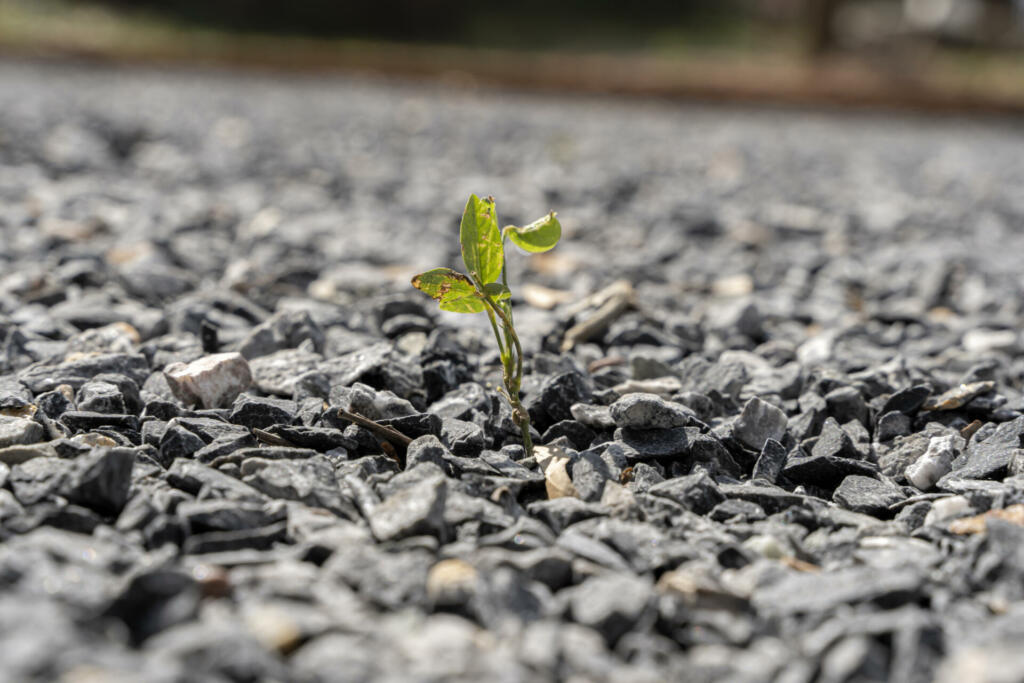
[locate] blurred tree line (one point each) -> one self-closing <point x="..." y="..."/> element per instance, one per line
<point x="439" y="20"/>
<point x="820" y="26"/>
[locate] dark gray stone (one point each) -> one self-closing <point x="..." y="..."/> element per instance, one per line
<point x="35" y="480"/>
<point x="991" y="457"/>
<point x="908" y="400"/>
<point x="221" y="515"/>
<point x="868" y="496"/>
<point x="310" y="480"/>
<point x="824" y="471"/>
<point x="205" y="482"/>
<point x="82" y="421"/>
<point x="771" y="498"/>
<point x="101" y="480"/>
<point x="463" y="438"/>
<point x="283" y="330"/>
<point x="846" y="404"/>
<point x="649" y="411"/>
<point x="377" y="366"/>
<point x="759" y="422"/>
<point x="315" y="438"/>
<point x="427" y="449"/>
<point x="154" y="601"/>
<point x="834" y="442"/>
<point x="252" y="411"/>
<point x="613" y="604"/>
<point x="44" y="377"/>
<point x="178" y="442"/>
<point x="589" y="472"/>
<point x="770" y="462"/>
<point x="579" y="435"/>
<point x="258" y="538"/>
<point x="54" y="403"/>
<point x="100" y="397"/>
<point x="210" y="429"/>
<point x="222" y="446"/>
<point x="737" y="509"/>
<point x="560" y="513"/>
<point x="655" y="443"/>
<point x="416" y="510"/>
<point x="696" y="492"/>
<point x="555" y="398"/>
<point x="19" y="430"/>
<point x="817" y="593"/>
<point x="892" y="424"/>
<point x="596" y="417"/>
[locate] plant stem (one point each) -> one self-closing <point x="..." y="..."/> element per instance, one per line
<point x="512" y="370"/>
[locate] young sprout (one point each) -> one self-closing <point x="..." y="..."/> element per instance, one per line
<point x="483" y="252"/>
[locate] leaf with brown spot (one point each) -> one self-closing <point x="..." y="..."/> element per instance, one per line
<point x="453" y="291"/>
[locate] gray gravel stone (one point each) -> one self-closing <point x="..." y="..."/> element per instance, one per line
<point x="834" y="442"/>
<point x="311" y="481"/>
<point x="759" y="422"/>
<point x="770" y="462"/>
<point x="612" y="604"/>
<point x="648" y="411"/>
<point x="867" y="495"/>
<point x="19" y="430"/>
<point x="418" y="509"/>
<point x="654" y="443"/>
<point x="696" y="492"/>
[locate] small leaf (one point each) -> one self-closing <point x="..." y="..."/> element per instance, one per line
<point x="454" y="291"/>
<point x="538" y="236"/>
<point x="481" y="240"/>
<point x="497" y="291"/>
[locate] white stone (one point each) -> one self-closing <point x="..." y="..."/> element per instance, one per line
<point x="211" y="381"/>
<point x="767" y="545"/>
<point x="983" y="340"/>
<point x="948" y="508"/>
<point x="933" y="464"/>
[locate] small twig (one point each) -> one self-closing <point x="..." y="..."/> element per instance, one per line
<point x="390" y="433"/>
<point x="270" y="439"/>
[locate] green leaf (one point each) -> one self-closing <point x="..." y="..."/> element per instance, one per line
<point x="481" y="240"/>
<point x="497" y="291"/>
<point x="538" y="236"/>
<point x="454" y="291"/>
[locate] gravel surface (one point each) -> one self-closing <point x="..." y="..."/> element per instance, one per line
<point x="775" y="363"/>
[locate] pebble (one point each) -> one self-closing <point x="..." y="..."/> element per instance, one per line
<point x="867" y="495"/>
<point x="418" y="509"/>
<point x="934" y="464"/>
<point x="19" y="431"/>
<point x="648" y="411"/>
<point x="945" y="509"/>
<point x="209" y="382"/>
<point x="612" y="604"/>
<point x="758" y="422"/>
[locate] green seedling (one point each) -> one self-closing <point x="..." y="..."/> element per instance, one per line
<point x="483" y="252"/>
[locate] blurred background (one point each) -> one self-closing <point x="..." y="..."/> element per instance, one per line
<point x="918" y="53"/>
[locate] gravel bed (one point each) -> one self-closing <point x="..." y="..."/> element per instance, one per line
<point x="775" y="366"/>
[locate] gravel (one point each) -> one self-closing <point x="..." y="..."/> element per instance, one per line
<point x="775" y="358"/>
